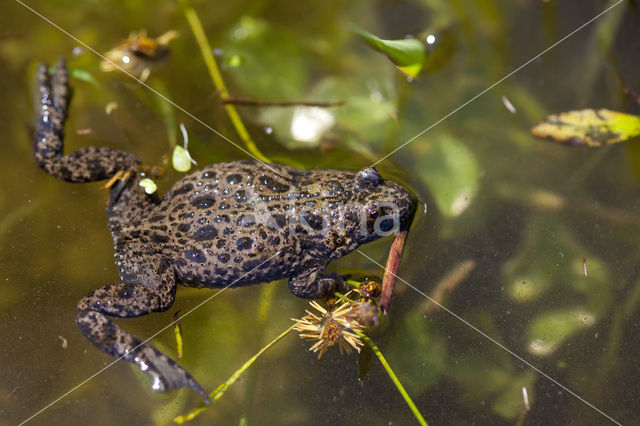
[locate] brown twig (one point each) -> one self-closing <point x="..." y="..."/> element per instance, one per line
<point x="633" y="95"/>
<point x="253" y="103"/>
<point x="447" y="284"/>
<point x="4" y="37"/>
<point x="391" y="269"/>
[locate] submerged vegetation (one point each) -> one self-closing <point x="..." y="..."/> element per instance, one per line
<point x="532" y="245"/>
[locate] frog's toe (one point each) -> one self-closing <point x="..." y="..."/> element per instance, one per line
<point x="166" y="373"/>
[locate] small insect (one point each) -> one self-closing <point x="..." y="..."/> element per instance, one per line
<point x="584" y="266"/>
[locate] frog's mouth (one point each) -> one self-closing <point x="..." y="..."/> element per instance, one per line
<point x="407" y="214"/>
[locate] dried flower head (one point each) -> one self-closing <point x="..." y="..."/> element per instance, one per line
<point x="331" y="327"/>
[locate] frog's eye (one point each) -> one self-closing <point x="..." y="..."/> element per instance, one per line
<point x="368" y="178"/>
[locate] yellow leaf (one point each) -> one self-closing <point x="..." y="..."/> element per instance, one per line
<point x="588" y="127"/>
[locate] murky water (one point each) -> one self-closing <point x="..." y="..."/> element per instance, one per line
<point x="530" y="246"/>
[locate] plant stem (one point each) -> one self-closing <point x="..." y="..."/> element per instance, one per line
<point x="393" y="377"/>
<point x="264" y="307"/>
<point x="220" y="390"/>
<point x="218" y="82"/>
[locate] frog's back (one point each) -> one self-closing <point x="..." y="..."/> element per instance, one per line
<point x="225" y="223"/>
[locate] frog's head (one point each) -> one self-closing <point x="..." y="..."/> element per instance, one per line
<point x="384" y="206"/>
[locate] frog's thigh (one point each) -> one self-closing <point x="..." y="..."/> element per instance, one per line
<point x="310" y="284"/>
<point x="125" y="300"/>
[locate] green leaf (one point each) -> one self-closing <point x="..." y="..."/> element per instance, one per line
<point x="181" y="159"/>
<point x="84" y="76"/>
<point x="549" y="330"/>
<point x="588" y="127"/>
<point x="149" y="185"/>
<point x="551" y="258"/>
<point x="451" y="171"/>
<point x="407" y="54"/>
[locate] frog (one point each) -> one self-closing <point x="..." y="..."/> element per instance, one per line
<point x="226" y="225"/>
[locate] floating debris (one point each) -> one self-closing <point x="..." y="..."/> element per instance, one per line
<point x="149" y="185"/>
<point x="110" y="107"/>
<point x="525" y="397"/>
<point x="588" y="127"/>
<point x="508" y="105"/>
<point x="65" y="344"/>
<point x="584" y="265"/>
<point x="138" y="54"/>
<point x="181" y="159"/>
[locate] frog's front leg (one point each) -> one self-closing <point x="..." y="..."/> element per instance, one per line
<point x="311" y="284"/>
<point x="84" y="165"/>
<point x="126" y="301"/>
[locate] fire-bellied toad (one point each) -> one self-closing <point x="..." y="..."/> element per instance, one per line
<point x="228" y="224"/>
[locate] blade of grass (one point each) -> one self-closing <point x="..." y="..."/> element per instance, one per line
<point x="264" y="307"/>
<point x="201" y="38"/>
<point x="220" y="390"/>
<point x="393" y="377"/>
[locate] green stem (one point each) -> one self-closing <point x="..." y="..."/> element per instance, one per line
<point x="264" y="307"/>
<point x="393" y="377"/>
<point x="220" y="390"/>
<point x="218" y="82"/>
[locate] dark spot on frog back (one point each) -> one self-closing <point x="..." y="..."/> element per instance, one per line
<point x="244" y="243"/>
<point x="277" y="221"/>
<point x="207" y="232"/>
<point x="252" y="264"/>
<point x="195" y="256"/>
<point x="246" y="220"/>
<point x="156" y="218"/>
<point x="316" y="222"/>
<point x="273" y="185"/>
<point x="159" y="238"/>
<point x="183" y="189"/>
<point x="203" y="202"/>
<point x="234" y="179"/>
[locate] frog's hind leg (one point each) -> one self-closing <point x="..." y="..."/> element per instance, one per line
<point x="126" y="301"/>
<point x="84" y="165"/>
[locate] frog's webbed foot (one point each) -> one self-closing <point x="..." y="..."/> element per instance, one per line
<point x="84" y="165"/>
<point x="126" y="301"/>
<point x="310" y="284"/>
